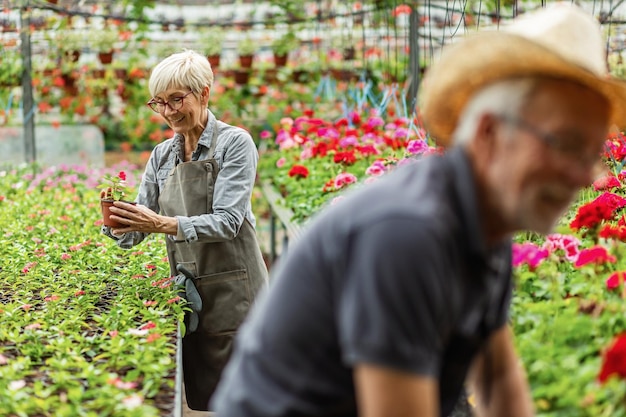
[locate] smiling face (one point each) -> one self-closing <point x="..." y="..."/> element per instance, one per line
<point x="542" y="158"/>
<point x="186" y="111"/>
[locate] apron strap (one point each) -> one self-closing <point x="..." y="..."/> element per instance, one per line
<point x="214" y="137"/>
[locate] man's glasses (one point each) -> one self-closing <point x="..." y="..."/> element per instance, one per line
<point x="569" y="148"/>
<point x="174" y="103"/>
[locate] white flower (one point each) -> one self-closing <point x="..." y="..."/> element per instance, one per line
<point x="133" y="401"/>
<point x="15" y="385"/>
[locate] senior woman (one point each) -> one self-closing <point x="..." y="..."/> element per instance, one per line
<point x="196" y="189"/>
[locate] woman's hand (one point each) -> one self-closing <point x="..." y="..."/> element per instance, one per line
<point x="138" y="218"/>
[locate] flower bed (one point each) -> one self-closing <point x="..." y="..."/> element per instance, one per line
<point x="86" y="328"/>
<point x="569" y="309"/>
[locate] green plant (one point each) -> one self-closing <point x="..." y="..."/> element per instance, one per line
<point x="115" y="185"/>
<point x="285" y="43"/>
<point x="10" y="67"/>
<point x="103" y="40"/>
<point x="246" y="46"/>
<point x="211" y="40"/>
<point x="68" y="40"/>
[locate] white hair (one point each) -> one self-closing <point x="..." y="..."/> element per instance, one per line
<point x="186" y="69"/>
<point x="505" y="98"/>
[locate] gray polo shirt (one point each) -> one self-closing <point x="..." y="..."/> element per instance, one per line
<point x="398" y="274"/>
<point x="237" y="158"/>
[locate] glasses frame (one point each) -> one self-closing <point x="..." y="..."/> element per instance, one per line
<point x="166" y="104"/>
<point x="552" y="141"/>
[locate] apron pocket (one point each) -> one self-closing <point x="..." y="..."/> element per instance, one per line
<point x="225" y="301"/>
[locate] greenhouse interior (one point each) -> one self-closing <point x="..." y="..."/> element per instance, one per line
<point x="312" y="107"/>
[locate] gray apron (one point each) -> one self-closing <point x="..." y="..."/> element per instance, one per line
<point x="228" y="275"/>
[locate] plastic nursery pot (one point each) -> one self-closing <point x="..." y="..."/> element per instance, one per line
<point x="106" y="213"/>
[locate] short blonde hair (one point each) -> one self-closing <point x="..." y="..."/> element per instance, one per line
<point x="186" y="69"/>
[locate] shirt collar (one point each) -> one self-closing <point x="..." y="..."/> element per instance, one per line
<point x="203" y="142"/>
<point x="466" y="193"/>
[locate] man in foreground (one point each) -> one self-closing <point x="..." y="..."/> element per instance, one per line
<point x="398" y="295"/>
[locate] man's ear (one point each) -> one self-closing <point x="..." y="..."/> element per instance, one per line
<point x="487" y="131"/>
<point x="484" y="144"/>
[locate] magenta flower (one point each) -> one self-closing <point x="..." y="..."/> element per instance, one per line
<point x="615" y="280"/>
<point x="416" y="147"/>
<point x="528" y="253"/>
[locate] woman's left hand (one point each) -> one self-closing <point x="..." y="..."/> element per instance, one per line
<point x="138" y="218"/>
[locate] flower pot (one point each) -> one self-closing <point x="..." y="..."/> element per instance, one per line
<point x="349" y="53"/>
<point x="280" y="60"/>
<point x="106" y="213"/>
<point x="214" y="60"/>
<point x="242" y="77"/>
<point x="105" y="57"/>
<point x="245" y="61"/>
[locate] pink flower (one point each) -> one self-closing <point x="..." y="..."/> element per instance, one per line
<point x="28" y="267"/>
<point x="33" y="326"/>
<point x="344" y="179"/>
<point x="528" y="253"/>
<point x="149" y="303"/>
<point x="376" y="169"/>
<point x="266" y="134"/>
<point x="416" y="147"/>
<point x="3" y="359"/>
<point x="113" y="333"/>
<point x="51" y="298"/>
<point x="149" y="325"/>
<point x="79" y="292"/>
<point x="566" y="243"/>
<point x="118" y="383"/>
<point x="66" y="256"/>
<point x="152" y="337"/>
<point x="281" y="162"/>
<point x="132" y="401"/>
<point x="606" y="183"/>
<point x="597" y="255"/>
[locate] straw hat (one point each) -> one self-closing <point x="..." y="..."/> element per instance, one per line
<point x="561" y="41"/>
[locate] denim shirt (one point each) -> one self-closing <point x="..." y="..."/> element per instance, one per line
<point x="237" y="158"/>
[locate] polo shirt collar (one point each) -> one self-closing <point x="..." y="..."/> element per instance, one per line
<point x="465" y="183"/>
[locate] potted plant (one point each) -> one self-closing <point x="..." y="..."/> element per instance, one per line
<point x="70" y="43"/>
<point x="116" y="189"/>
<point x="281" y="47"/>
<point x="211" y="44"/>
<point x="10" y="68"/>
<point x="246" y="48"/>
<point x="103" y="42"/>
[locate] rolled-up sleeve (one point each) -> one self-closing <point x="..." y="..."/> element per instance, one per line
<point x="148" y="195"/>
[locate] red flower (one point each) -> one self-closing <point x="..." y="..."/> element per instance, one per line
<point x="346" y="158"/>
<point x="615" y="280"/>
<point x="122" y="175"/>
<point x="592" y="214"/>
<point x="614" y="360"/>
<point x="298" y="171"/>
<point x="606" y="183"/>
<point x="597" y="254"/>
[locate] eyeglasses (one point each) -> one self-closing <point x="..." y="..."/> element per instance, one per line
<point x="570" y="149"/>
<point x="174" y="103"/>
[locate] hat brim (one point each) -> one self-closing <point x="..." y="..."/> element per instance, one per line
<point x="483" y="59"/>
